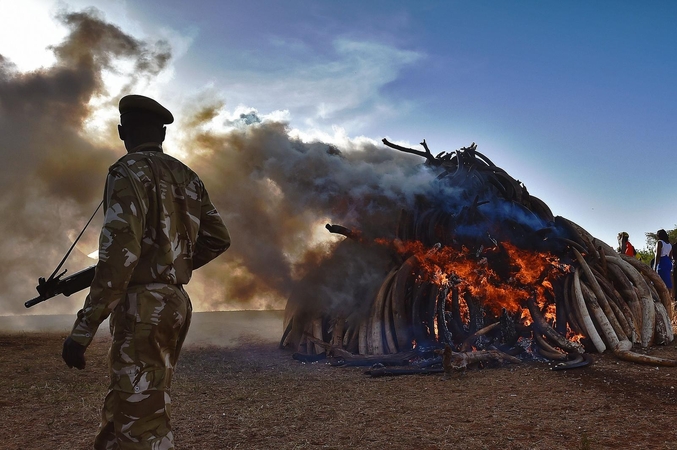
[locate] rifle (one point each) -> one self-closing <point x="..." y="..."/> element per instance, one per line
<point x="55" y="285"/>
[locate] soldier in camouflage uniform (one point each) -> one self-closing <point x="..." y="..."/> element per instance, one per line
<point x="159" y="226"/>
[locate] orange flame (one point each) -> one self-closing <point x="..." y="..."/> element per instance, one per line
<point x="525" y="317"/>
<point x="573" y="336"/>
<point x="503" y="276"/>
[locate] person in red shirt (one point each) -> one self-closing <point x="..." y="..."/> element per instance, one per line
<point x="624" y="245"/>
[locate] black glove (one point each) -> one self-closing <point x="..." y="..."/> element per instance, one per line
<point x="73" y="353"/>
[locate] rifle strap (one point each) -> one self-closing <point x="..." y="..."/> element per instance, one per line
<point x="74" y="242"/>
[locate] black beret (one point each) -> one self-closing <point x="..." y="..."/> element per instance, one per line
<point x="139" y="103"/>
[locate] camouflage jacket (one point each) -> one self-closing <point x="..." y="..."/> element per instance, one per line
<point x="159" y="225"/>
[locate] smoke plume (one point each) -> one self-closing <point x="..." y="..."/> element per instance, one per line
<point x="276" y="194"/>
<point x="274" y="191"/>
<point x="52" y="175"/>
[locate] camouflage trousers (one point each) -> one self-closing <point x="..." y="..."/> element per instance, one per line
<point x="148" y="330"/>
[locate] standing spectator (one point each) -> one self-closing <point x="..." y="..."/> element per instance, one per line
<point x="664" y="258"/>
<point x="624" y="245"/>
<point x="673" y="291"/>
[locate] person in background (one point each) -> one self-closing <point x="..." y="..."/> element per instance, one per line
<point x="159" y="226"/>
<point x="624" y="245"/>
<point x="673" y="291"/>
<point x="663" y="258"/>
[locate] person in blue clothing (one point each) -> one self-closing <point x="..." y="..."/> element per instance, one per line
<point x="663" y="258"/>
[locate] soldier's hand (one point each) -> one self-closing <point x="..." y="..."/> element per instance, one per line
<point x="73" y="354"/>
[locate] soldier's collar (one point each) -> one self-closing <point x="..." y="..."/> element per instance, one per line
<point x="148" y="146"/>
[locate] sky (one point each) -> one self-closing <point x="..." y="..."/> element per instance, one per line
<point x="575" y="99"/>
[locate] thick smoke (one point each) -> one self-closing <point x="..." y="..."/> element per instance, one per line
<point x="51" y="175"/>
<point x="275" y="192"/>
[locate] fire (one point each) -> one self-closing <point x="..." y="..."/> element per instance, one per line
<point x="526" y="317"/>
<point x="573" y="336"/>
<point x="502" y="276"/>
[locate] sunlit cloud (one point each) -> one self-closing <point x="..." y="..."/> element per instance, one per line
<point x="344" y="86"/>
<point x="27" y="29"/>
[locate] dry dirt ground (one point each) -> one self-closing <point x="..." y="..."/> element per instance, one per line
<point x="251" y="395"/>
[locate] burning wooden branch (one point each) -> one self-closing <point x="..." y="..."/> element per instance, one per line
<point x="486" y="269"/>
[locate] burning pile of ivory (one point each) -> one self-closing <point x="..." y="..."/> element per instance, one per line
<point x="483" y="271"/>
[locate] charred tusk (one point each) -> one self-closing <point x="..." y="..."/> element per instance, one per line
<point x="545" y="349"/>
<point x="461" y="360"/>
<point x="350" y="338"/>
<point x="388" y="322"/>
<point x="544" y="327"/>
<point x="431" y="310"/>
<point x="574" y="317"/>
<point x="456" y="322"/>
<point x="403" y="335"/>
<point x="362" y="337"/>
<point x="338" y="331"/>
<point x="552" y="356"/>
<point x="443" y="329"/>
<point x="418" y="295"/>
<point x="318" y="333"/>
<point x="468" y="342"/>
<point x="562" y="312"/>
<point x="287" y="329"/>
<point x="579" y="360"/>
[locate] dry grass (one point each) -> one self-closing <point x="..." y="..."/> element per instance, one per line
<point x="254" y="396"/>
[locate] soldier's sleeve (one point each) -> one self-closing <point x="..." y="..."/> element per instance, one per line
<point x="119" y="250"/>
<point x="213" y="237"/>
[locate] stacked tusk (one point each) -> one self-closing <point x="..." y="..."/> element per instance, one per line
<point x="588" y="327"/>
<point x="613" y="301"/>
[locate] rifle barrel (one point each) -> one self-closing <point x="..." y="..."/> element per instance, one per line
<point x="67" y="286"/>
<point x="35" y="301"/>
